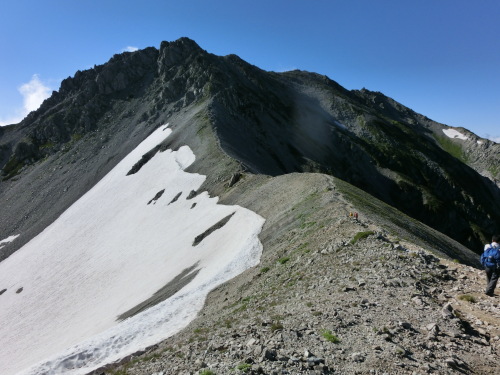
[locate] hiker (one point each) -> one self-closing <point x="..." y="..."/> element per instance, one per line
<point x="490" y="259"/>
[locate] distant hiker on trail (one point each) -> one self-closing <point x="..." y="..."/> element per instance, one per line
<point x="490" y="260"/>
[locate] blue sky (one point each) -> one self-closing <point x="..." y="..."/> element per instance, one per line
<point x="440" y="58"/>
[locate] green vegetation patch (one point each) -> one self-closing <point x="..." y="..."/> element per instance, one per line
<point x="48" y="144"/>
<point x="452" y="148"/>
<point x="304" y="248"/>
<point x="283" y="260"/>
<point x="307" y="224"/>
<point x="330" y="337"/>
<point x="276" y="326"/>
<point x="119" y="372"/>
<point x="242" y="308"/>
<point x="264" y="269"/>
<point x="12" y="168"/>
<point x="468" y="298"/>
<point x="360" y="236"/>
<point x="201" y="331"/>
<point x="244" y="367"/>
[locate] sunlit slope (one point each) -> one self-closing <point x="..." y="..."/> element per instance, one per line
<point x="113" y="249"/>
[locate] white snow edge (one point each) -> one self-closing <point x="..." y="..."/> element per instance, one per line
<point x="7" y="240"/>
<point x="452" y="133"/>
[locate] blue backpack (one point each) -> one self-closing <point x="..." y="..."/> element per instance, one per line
<point x="491" y="257"/>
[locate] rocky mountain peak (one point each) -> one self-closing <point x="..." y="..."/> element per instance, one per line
<point x="274" y="123"/>
<point x="173" y="53"/>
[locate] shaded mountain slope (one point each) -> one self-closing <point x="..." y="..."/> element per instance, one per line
<point x="309" y="123"/>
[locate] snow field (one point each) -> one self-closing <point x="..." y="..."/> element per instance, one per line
<point x="452" y="133"/>
<point x="109" y="252"/>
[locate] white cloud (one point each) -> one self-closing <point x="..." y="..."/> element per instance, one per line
<point x="34" y="93"/>
<point x="130" y="49"/>
<point x="494" y="138"/>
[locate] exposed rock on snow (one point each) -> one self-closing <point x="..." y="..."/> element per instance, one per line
<point x="173" y="286"/>
<point x="212" y="229"/>
<point x="157" y="196"/>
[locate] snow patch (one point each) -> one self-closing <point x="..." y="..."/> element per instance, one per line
<point x="480" y="142"/>
<point x="452" y="133"/>
<point x="7" y="240"/>
<point x="109" y="252"/>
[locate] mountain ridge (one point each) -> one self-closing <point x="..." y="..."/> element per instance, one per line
<point x="274" y="123"/>
<point x="300" y="113"/>
<point x="303" y="152"/>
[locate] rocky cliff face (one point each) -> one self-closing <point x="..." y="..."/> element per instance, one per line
<point x="265" y="122"/>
